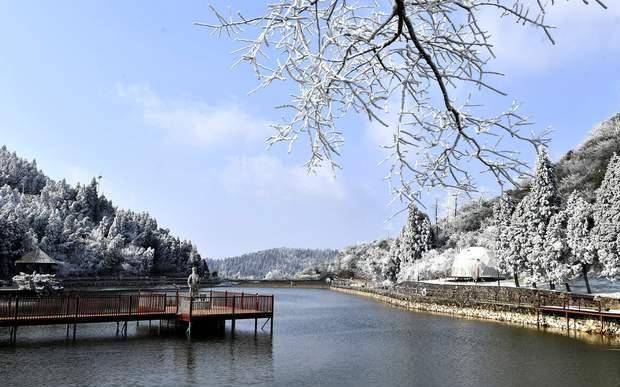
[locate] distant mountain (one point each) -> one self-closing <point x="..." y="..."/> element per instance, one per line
<point x="275" y="263"/>
<point x="80" y="227"/>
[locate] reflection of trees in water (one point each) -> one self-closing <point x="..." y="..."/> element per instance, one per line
<point x="223" y="359"/>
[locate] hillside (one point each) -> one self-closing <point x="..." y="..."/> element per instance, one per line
<point x="581" y="169"/>
<point x="80" y="227"/>
<point x="273" y="263"/>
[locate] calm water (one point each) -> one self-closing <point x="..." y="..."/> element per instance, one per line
<point x="321" y="338"/>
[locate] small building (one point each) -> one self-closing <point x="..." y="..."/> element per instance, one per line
<point x="477" y="263"/>
<point x="37" y="260"/>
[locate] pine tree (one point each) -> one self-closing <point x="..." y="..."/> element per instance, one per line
<point x="607" y="220"/>
<point x="505" y="248"/>
<point x="416" y="237"/>
<point x="532" y="216"/>
<point x="557" y="252"/>
<point x="390" y="265"/>
<point x="579" y="237"/>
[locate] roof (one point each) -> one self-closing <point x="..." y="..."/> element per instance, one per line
<point x="37" y="256"/>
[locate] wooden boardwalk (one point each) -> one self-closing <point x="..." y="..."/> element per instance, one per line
<point x="141" y="306"/>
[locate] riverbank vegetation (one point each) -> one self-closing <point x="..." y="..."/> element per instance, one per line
<point x="80" y="227"/>
<point x="560" y="226"/>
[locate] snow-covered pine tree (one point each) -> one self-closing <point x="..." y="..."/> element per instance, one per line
<point x="579" y="238"/>
<point x="416" y="237"/>
<point x="390" y="263"/>
<point x="532" y="216"/>
<point x="505" y="248"/>
<point x="607" y="220"/>
<point x="557" y="264"/>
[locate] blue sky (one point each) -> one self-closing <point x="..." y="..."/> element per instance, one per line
<point x="136" y="93"/>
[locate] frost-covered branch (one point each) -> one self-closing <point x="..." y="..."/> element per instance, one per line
<point x="368" y="56"/>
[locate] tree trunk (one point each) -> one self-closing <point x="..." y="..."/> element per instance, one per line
<point x="567" y="287"/>
<point x="584" y="270"/>
<point x="516" y="276"/>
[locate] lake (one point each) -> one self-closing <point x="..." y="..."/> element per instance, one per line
<point x="321" y="338"/>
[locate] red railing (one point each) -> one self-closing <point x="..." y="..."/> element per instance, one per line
<point x="86" y="306"/>
<point x="112" y="307"/>
<point x="225" y="303"/>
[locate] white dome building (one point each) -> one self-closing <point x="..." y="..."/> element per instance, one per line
<point x="475" y="263"/>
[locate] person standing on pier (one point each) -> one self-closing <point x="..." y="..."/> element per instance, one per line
<point x="193" y="281"/>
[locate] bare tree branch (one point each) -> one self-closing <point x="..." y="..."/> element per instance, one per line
<point x="366" y="56"/>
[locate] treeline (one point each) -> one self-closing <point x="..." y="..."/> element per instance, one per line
<point x="564" y="223"/>
<point x="80" y="227"/>
<point x="278" y="263"/>
<point x="547" y="238"/>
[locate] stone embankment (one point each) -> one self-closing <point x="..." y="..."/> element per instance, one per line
<point x="528" y="307"/>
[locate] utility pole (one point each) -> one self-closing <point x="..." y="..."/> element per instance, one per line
<point x="436" y="215"/>
<point x="456" y="203"/>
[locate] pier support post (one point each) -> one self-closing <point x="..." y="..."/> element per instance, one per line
<point x="14" y="330"/>
<point x="255" y="326"/>
<point x="189" y="325"/>
<point x="232" y="325"/>
<point x="13" y="335"/>
<point x="137" y="321"/>
<point x="272" y="315"/>
<point x="77" y="310"/>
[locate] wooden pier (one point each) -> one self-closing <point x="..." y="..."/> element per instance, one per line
<point x="205" y="309"/>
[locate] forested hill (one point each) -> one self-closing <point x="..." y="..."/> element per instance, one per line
<point x="276" y="263"/>
<point x="80" y="227"/>
<point x="581" y="169"/>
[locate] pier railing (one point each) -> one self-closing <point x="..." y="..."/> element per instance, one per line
<point x="79" y="307"/>
<point x="132" y="306"/>
<point x="216" y="303"/>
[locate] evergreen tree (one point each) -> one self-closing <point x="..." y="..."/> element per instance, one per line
<point x="416" y="237"/>
<point x="557" y="252"/>
<point x="506" y="250"/>
<point x="79" y="227"/>
<point x="607" y="220"/>
<point x="391" y="262"/>
<point x="579" y="237"/>
<point x="532" y="216"/>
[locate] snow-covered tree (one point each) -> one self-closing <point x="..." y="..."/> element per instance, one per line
<point x="579" y="237"/>
<point x="416" y="237"/>
<point x="607" y="220"/>
<point x="287" y="261"/>
<point x="390" y="264"/>
<point x="506" y="251"/>
<point x="137" y="260"/>
<point x="366" y="56"/>
<point x="80" y="227"/>
<point x="531" y="218"/>
<point x="557" y="250"/>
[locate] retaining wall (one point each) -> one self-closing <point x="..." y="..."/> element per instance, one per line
<point x="511" y="305"/>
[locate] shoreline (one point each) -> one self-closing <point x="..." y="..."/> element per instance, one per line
<point x="587" y="329"/>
